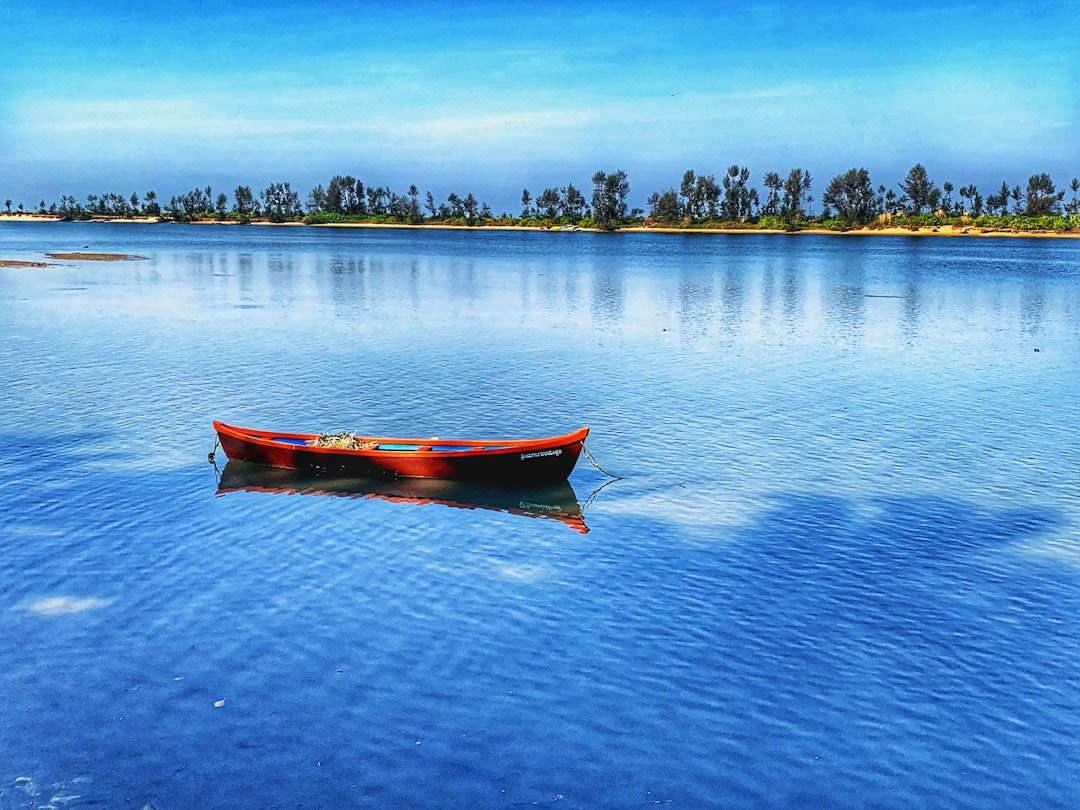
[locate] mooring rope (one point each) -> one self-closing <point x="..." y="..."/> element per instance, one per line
<point x="210" y="457"/>
<point x="592" y="461"/>
<point x="595" y="492"/>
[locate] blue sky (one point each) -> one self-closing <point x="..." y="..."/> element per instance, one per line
<point x="493" y="97"/>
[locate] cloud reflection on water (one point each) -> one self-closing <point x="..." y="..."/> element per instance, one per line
<point x="66" y="605"/>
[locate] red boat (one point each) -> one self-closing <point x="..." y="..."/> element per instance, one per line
<point x="513" y="461"/>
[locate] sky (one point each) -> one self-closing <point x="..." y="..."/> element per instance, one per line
<point x="490" y="98"/>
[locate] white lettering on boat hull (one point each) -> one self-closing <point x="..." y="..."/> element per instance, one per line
<point x="556" y="452"/>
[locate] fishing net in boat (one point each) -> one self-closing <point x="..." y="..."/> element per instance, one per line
<point x="342" y="441"/>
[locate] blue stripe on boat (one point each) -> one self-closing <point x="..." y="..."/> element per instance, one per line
<point x="437" y="448"/>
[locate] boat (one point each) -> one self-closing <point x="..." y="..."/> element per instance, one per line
<point x="510" y="461"/>
<point x="553" y="501"/>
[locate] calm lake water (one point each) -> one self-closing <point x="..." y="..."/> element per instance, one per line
<point x="841" y="567"/>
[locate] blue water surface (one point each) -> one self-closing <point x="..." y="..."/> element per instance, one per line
<point x="840" y="567"/>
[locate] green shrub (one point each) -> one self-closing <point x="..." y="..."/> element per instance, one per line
<point x="834" y="224"/>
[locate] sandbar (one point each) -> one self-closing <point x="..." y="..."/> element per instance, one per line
<point x="95" y="257"/>
<point x="18" y="263"/>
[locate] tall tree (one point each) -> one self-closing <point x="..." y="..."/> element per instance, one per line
<point x="699" y="195"/>
<point x="151" y="207"/>
<point x="946" y="204"/>
<point x="1042" y="199"/>
<point x="968" y="193"/>
<point x="415" y="217"/>
<point x="852" y="195"/>
<point x="609" y="197"/>
<point x="245" y="202"/>
<point x="1017" y="197"/>
<point x="454" y="207"/>
<point x="548" y="203"/>
<point x="316" y="200"/>
<point x="1003" y="198"/>
<point x="336" y="194"/>
<point x="279" y="202"/>
<point x="1073" y="206"/>
<point x="739" y="199"/>
<point x="573" y="203"/>
<point x="526" y="204"/>
<point x="688" y="192"/>
<point x="976" y="203"/>
<point x="665" y="207"/>
<point x="378" y="201"/>
<point x="345" y="196"/>
<point x="471" y="206"/>
<point x="1000" y="202"/>
<point x="796" y="189"/>
<point x="920" y="190"/>
<point x="774" y="184"/>
<point x="709" y="194"/>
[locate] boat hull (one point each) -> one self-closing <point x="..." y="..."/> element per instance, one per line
<point x="509" y="462"/>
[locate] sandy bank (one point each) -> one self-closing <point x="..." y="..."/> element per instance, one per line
<point x="953" y="230"/>
<point x="925" y="230"/>
<point x="433" y="227"/>
<point x="28" y="218"/>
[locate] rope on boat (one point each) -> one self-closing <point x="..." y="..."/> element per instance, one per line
<point x="592" y="461"/>
<point x="210" y="457"/>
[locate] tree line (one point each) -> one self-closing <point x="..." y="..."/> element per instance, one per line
<point x="848" y="200"/>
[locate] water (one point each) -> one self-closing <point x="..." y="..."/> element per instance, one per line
<point x="841" y="567"/>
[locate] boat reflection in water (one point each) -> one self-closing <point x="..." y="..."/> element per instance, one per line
<point x="549" y="501"/>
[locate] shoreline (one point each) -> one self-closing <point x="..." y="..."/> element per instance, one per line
<point x="951" y="231"/>
<point x="922" y="230"/>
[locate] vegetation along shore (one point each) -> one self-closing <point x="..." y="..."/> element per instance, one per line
<point x="850" y="202"/>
